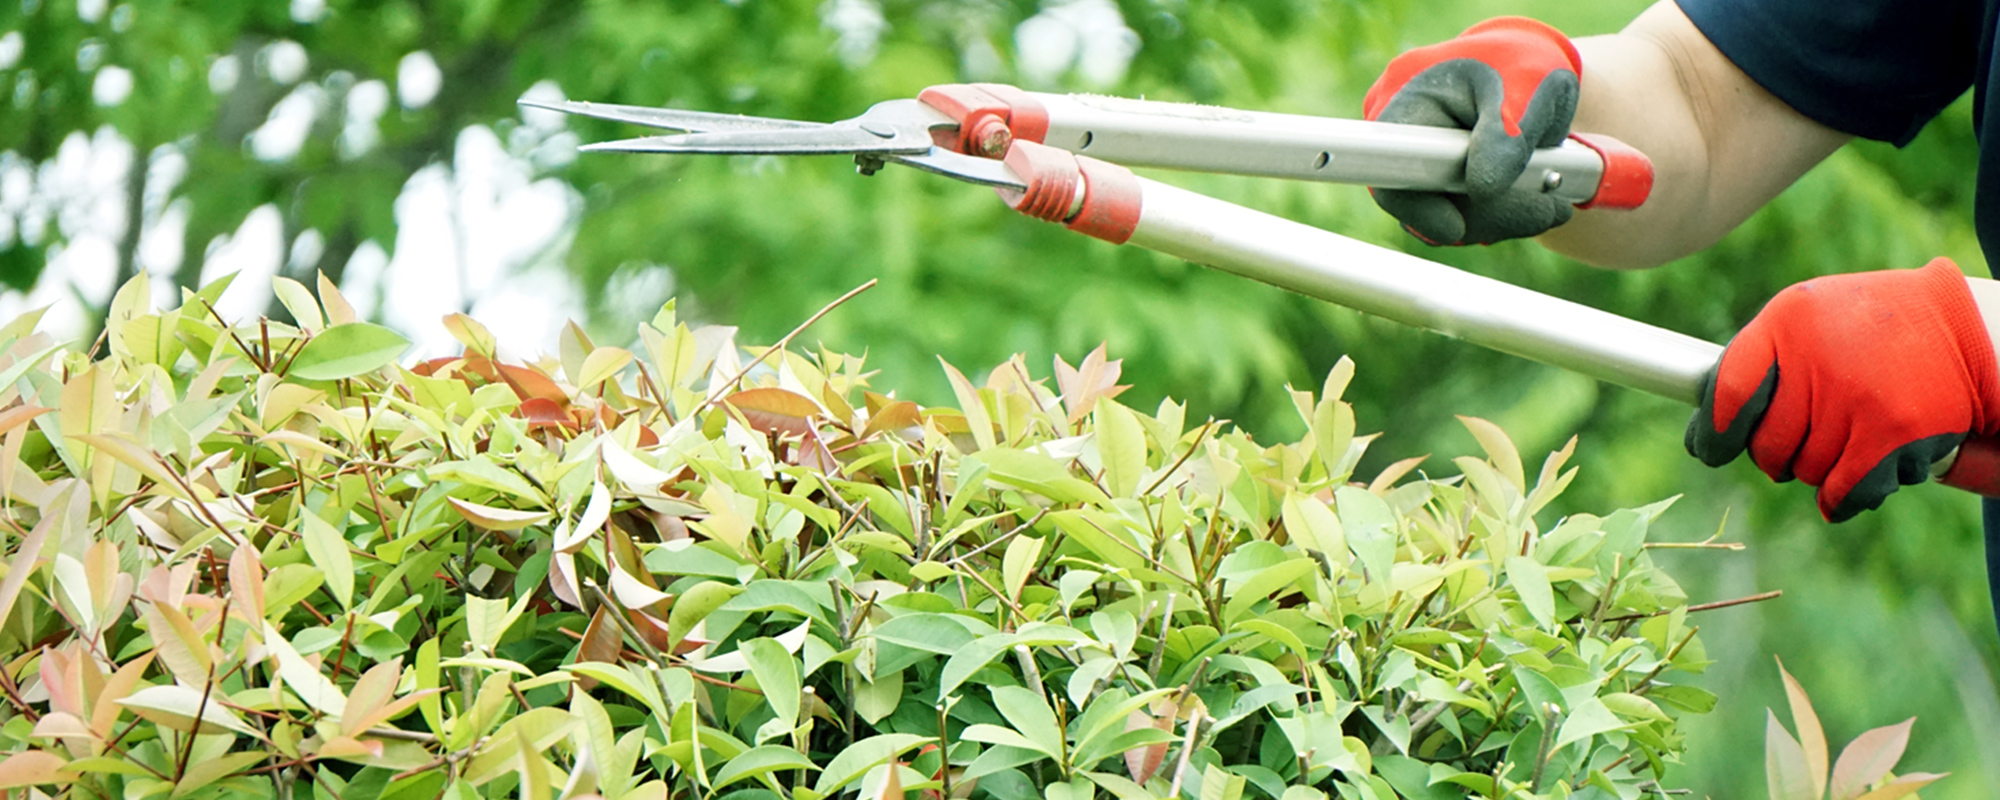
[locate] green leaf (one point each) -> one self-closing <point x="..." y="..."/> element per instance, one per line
<point x="1019" y="562"/>
<point x="759" y="761"/>
<point x="863" y="756"/>
<point x="1121" y="446"/>
<point x="1692" y="699"/>
<point x="201" y="773"/>
<point x="345" y="351"/>
<point x="1314" y="527"/>
<point x="778" y="675"/>
<point x="1220" y="784"/>
<point x="1589" y="718"/>
<point x="1005" y="737"/>
<point x="1531" y="581"/>
<point x="1029" y="715"/>
<point x="1264" y="584"/>
<point x="934" y="633"/>
<point x="694" y="605"/>
<point x="970" y="659"/>
<point x="876" y="699"/>
<point x="1370" y="527"/>
<point x="487" y="619"/>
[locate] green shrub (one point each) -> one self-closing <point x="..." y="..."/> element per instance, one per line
<point x="653" y="577"/>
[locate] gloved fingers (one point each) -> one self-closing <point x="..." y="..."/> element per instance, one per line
<point x="1735" y="396"/>
<point x="1501" y="143"/>
<point x="1512" y="216"/>
<point x="1496" y="155"/>
<point x="1439" y="97"/>
<point x="1433" y="217"/>
<point x="1781" y="434"/>
<point x="1854" y="485"/>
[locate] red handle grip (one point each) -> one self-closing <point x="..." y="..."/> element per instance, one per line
<point x="1977" y="467"/>
<point x="1628" y="173"/>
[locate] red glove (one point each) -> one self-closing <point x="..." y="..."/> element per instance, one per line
<point x="1513" y="82"/>
<point x="1853" y="383"/>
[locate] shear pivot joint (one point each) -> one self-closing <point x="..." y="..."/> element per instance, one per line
<point x="990" y="116"/>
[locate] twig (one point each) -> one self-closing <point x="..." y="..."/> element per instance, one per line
<point x="618" y="616"/>
<point x="1198" y="439"/>
<point x="1755" y="598"/>
<point x="1646" y="683"/>
<point x="716" y="397"/>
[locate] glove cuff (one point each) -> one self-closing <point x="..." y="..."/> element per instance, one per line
<point x="1535" y="28"/>
<point x="1959" y="312"/>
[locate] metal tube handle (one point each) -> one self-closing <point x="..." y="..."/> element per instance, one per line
<point x="1113" y="204"/>
<point x="1587" y="170"/>
<point x="1414" y="291"/>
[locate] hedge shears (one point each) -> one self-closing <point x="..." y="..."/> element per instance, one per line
<point x="1066" y="158"/>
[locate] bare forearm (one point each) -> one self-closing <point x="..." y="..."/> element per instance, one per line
<point x="1721" y="146"/>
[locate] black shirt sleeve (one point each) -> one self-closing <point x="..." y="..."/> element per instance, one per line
<point x="1878" y="69"/>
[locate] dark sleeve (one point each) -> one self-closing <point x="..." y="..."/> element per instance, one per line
<point x="1878" y="69"/>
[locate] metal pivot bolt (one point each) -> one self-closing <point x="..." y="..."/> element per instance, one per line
<point x="868" y="164"/>
<point x="1551" y="181"/>
<point x="992" y="138"/>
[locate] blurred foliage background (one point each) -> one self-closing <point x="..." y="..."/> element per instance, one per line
<point x="379" y="142"/>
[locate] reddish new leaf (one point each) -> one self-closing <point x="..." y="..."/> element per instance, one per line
<point x="892" y="418"/>
<point x="1142" y="763"/>
<point x="772" y="410"/>
<point x="32" y="768"/>
<point x="1869" y="757"/>
<point x="1785" y="770"/>
<point x="544" y="413"/>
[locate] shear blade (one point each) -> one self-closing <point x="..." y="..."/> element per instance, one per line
<point x="820" y="140"/>
<point x="671" y="118"/>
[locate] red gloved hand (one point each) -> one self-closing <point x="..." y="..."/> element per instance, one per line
<point x="1513" y="82"/>
<point x="1853" y="383"/>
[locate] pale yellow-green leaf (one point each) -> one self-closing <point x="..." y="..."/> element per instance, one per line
<point x="470" y="333"/>
<point x="971" y="405"/>
<point x="1121" y="446"/>
<point x="1023" y="553"/>
<point x="1314" y="526"/>
<point x="602" y="364"/>
<point x="487" y="619"/>
<point x="201" y="773"/>
<point x="305" y="680"/>
<point x="338" y="311"/>
<point x="1499" y="449"/>
<point x="328" y="549"/>
<point x="496" y="519"/>
<point x="298" y="300"/>
<point x="182" y="708"/>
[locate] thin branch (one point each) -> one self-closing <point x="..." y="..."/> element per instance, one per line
<point x="1755" y="598"/>
<point x="1183" y="459"/>
<point x="716" y="397"/>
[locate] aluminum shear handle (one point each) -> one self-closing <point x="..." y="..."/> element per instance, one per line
<point x="985" y="119"/>
<point x="1117" y="206"/>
